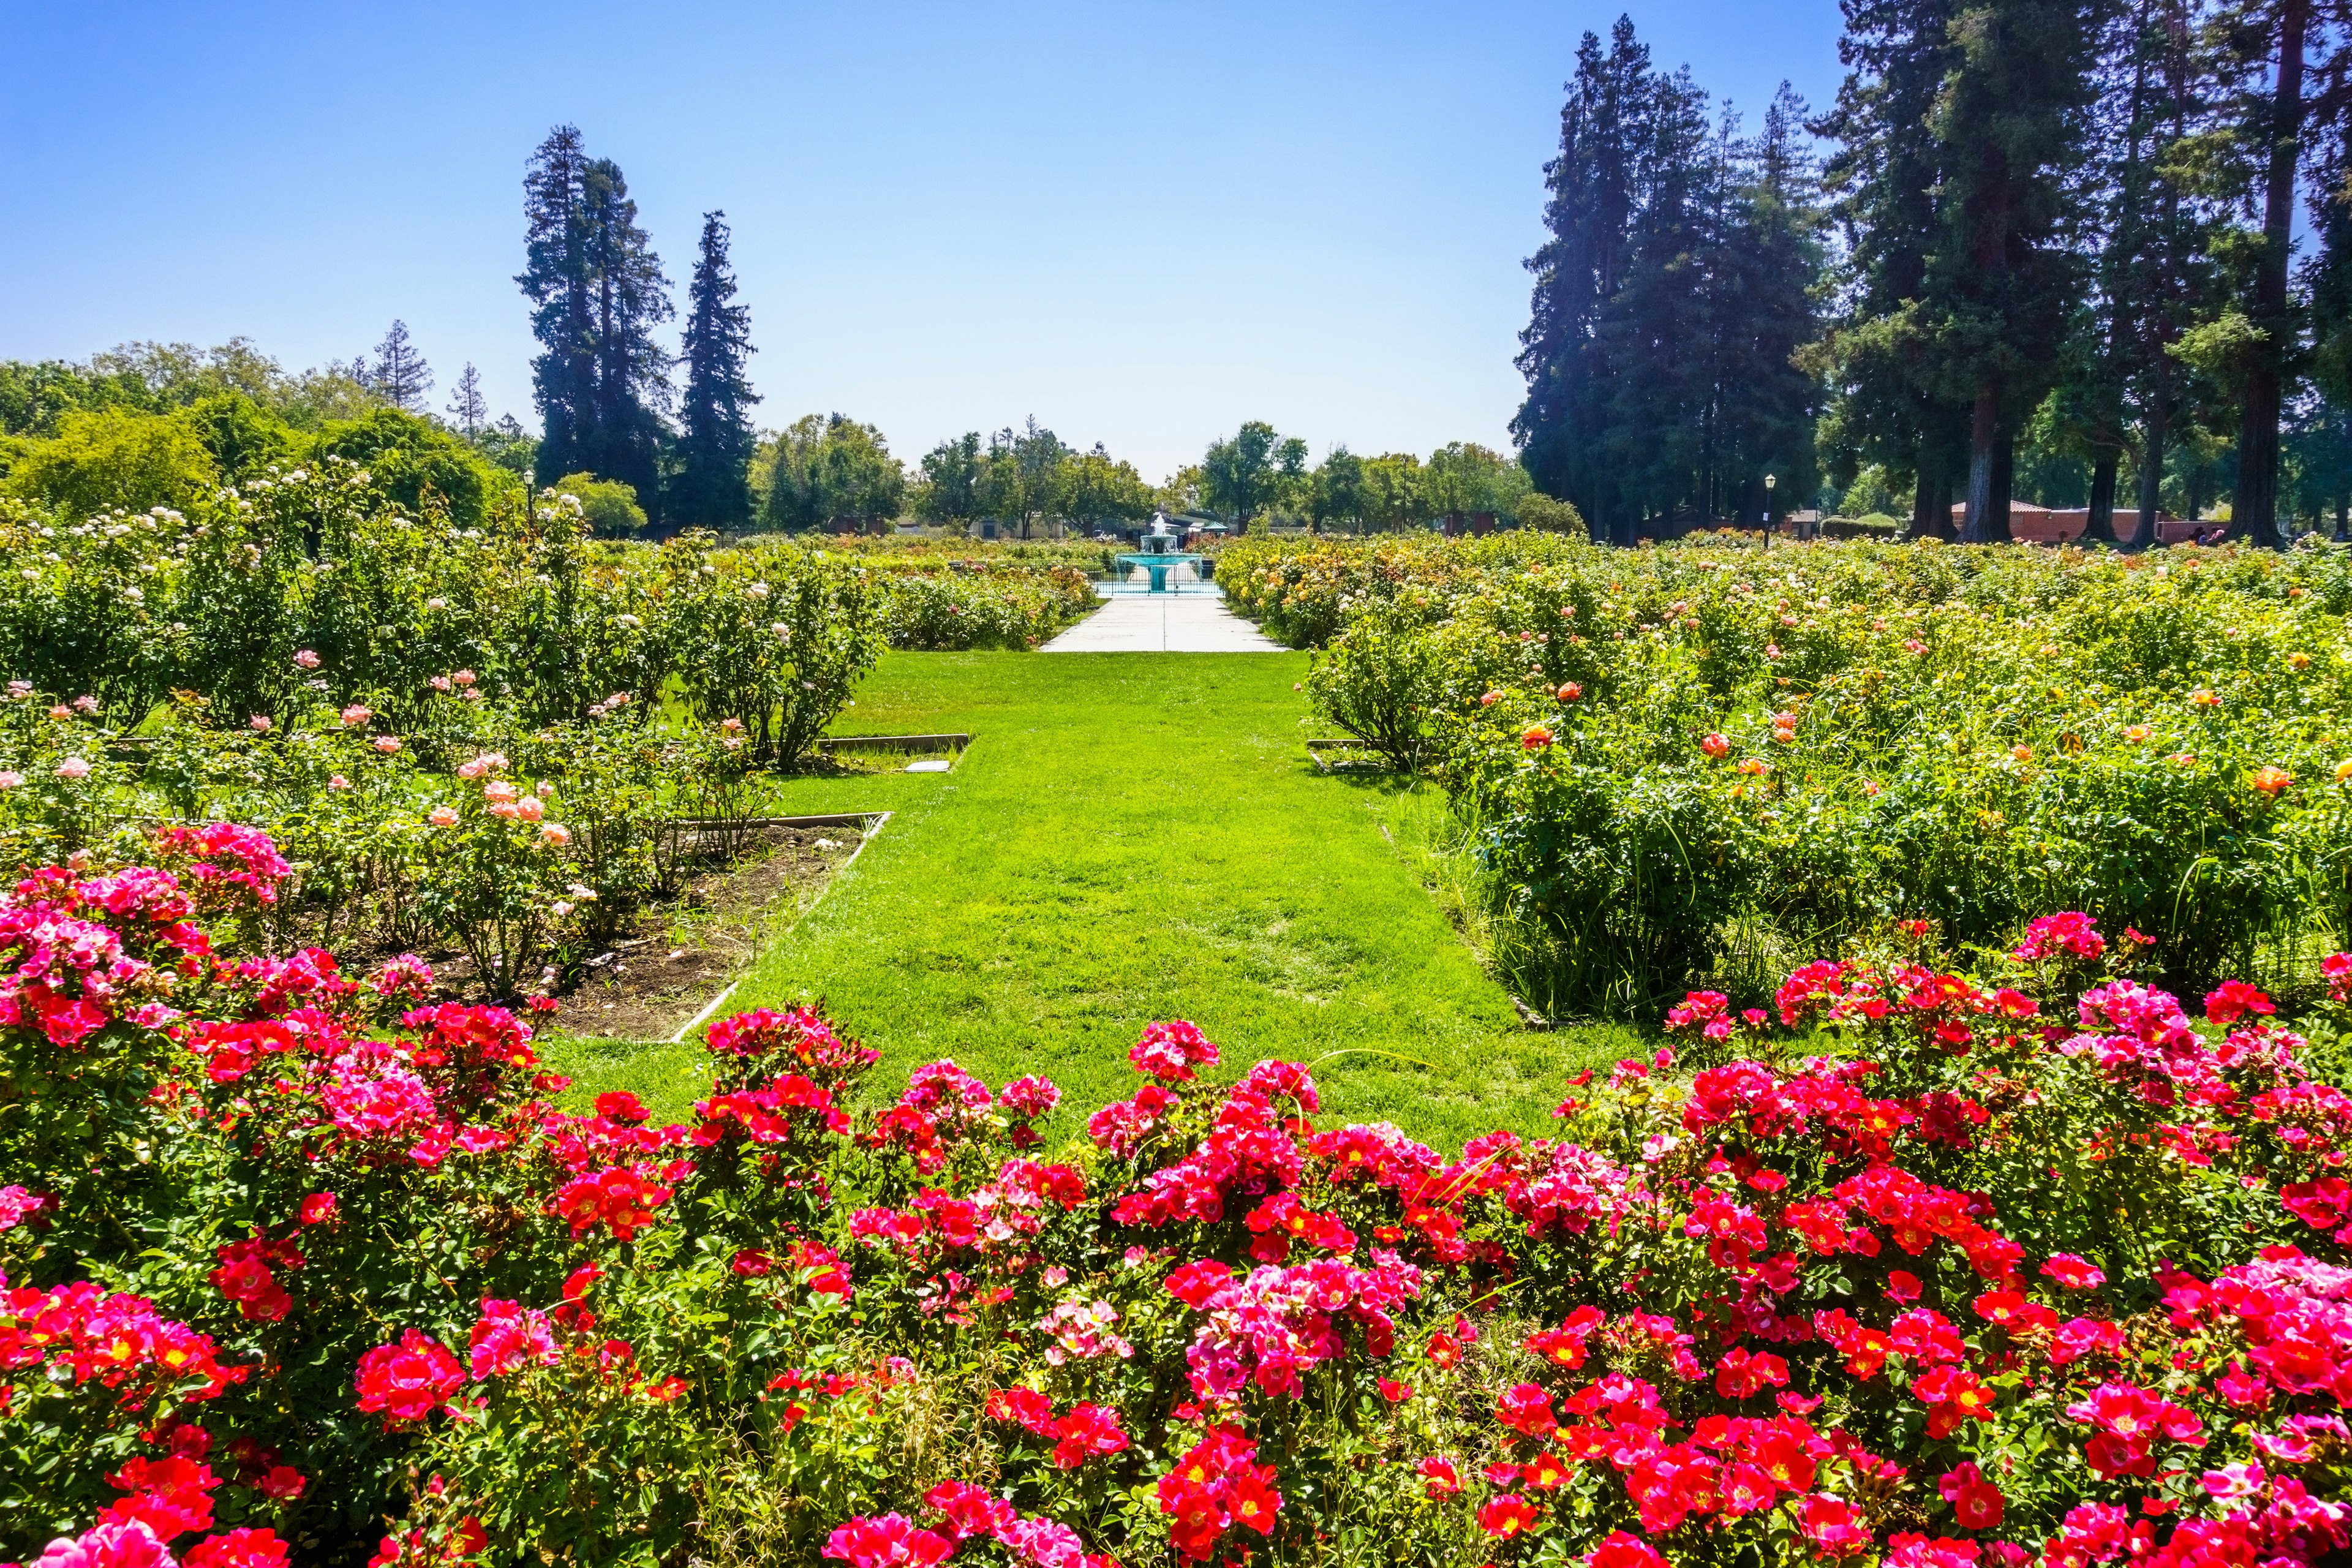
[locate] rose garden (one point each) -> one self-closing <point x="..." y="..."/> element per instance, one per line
<point x="1861" y="1088"/>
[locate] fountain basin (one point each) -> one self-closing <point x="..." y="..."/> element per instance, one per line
<point x="1158" y="564"/>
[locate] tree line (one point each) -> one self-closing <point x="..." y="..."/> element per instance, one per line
<point x="2043" y="248"/>
<point x="827" y="470"/>
<point x="153" y="423"/>
<point x="603" y="385"/>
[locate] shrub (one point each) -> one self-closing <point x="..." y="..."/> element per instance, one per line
<point x="975" y="604"/>
<point x="774" y="637"/>
<point x="1678" y="764"/>
<point x="220" y="600"/>
<point x="419" y="464"/>
<point x="1538" y="511"/>
<point x="106" y="459"/>
<point x="1919" y="1266"/>
<point x="610" y="506"/>
<point x="520" y="847"/>
<point x="1382" y="683"/>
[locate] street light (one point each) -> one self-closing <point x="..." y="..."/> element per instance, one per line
<point x="1769" y="480"/>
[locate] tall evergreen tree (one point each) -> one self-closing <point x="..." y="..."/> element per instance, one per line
<point x="2000" y="284"/>
<point x="2086" y="413"/>
<point x="1674" y="290"/>
<point x="1763" y="408"/>
<point x="2144" y="218"/>
<point x="400" y="375"/>
<point x="632" y="389"/>
<point x="597" y="292"/>
<point x="2272" y="38"/>
<point x="1650" y="337"/>
<point x="713" y="486"/>
<point x="556" y="279"/>
<point x="1588" y="212"/>
<point x="2156" y="273"/>
<point x="468" y="408"/>
<point x="1884" y="407"/>
<point x="2328" y="274"/>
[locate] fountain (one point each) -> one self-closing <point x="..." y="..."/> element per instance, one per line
<point x="1159" y="555"/>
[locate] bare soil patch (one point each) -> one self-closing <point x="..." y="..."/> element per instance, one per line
<point x="658" y="975"/>
<point x="671" y="958"/>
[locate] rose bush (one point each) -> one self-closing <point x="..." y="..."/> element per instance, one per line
<point x="1931" y="1268"/>
<point x="969" y="605"/>
<point x="1685" y="766"/>
<point x="220" y="600"/>
<point x="521" y="847"/>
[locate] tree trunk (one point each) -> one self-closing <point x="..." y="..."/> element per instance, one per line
<point x="2256" y="508"/>
<point x="2155" y="430"/>
<point x="2099" y="528"/>
<point x="1987" y="519"/>
<point x="1931" y="496"/>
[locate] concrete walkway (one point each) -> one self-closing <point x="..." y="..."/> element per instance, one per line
<point x="1162" y="623"/>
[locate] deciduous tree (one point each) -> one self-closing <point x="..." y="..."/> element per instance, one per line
<point x="1238" y="473"/>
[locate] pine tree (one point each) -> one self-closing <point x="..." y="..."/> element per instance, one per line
<point x="1650" y="335"/>
<point x="713" y="486"/>
<point x="1883" y="179"/>
<point x="1675" y="287"/>
<point x="2000" y="284"/>
<point x="1763" y="409"/>
<point x="467" y="409"/>
<point x="2085" y="415"/>
<point x="2273" y="37"/>
<point x="400" y="375"/>
<point x="555" y="279"/>
<point x="2155" y="279"/>
<point x="1579" y="269"/>
<point x="2182" y="286"/>
<point x="597" y="292"/>
<point x="632" y="372"/>
<point x="2328" y="275"/>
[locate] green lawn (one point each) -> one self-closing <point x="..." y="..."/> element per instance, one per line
<point x="1135" y="837"/>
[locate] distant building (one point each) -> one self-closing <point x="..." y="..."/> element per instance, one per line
<point x="2064" y="525"/>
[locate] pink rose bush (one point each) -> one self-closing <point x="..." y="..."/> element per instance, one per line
<point x="1917" y="1267"/>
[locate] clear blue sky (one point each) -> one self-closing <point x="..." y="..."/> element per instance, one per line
<point x="1140" y="223"/>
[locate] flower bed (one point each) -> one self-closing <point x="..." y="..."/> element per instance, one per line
<point x="1690" y="766"/>
<point x="1920" y="1267"/>
<point x="939" y="605"/>
<point x="530" y="852"/>
<point x="128" y="608"/>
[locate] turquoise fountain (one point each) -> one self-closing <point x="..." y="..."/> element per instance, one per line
<point x="1159" y="555"/>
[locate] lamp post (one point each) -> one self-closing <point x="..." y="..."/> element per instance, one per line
<point x="1769" y="480"/>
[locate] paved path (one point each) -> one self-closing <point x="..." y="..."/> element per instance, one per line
<point x="1162" y="623"/>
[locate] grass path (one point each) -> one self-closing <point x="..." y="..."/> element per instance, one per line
<point x="1135" y="837"/>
